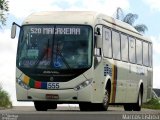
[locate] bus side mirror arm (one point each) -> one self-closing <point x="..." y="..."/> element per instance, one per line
<point x="13" y="29"/>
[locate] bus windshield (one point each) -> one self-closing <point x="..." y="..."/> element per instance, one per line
<point x="55" y="47"/>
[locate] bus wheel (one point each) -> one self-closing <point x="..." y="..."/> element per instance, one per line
<point x="40" y="106"/>
<point x="137" y="106"/>
<point x="51" y="105"/>
<point x="128" y="107"/>
<point x="105" y="103"/>
<point x="54" y="106"/>
<point x="85" y="106"/>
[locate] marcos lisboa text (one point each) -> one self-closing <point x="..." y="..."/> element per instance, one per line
<point x="140" y="117"/>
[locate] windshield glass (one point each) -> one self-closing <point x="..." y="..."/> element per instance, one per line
<point x="55" y="47"/>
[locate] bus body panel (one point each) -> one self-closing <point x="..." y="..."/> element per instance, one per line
<point x="21" y="93"/>
<point x="64" y="86"/>
<point x="64" y="96"/>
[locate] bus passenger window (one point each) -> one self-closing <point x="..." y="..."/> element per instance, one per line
<point x="124" y="47"/>
<point x="116" y="45"/>
<point x="132" y="51"/>
<point x="145" y="54"/>
<point x="107" y="44"/>
<point x="150" y="55"/>
<point x="139" y="52"/>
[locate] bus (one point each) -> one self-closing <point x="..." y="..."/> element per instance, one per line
<point x="82" y="57"/>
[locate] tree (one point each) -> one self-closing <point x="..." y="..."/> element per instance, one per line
<point x="3" y="11"/>
<point x="130" y="18"/>
<point x="4" y="99"/>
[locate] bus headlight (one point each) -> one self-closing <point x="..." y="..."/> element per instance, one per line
<point x="83" y="85"/>
<point x="22" y="84"/>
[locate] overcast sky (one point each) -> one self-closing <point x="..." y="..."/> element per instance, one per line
<point x="148" y="11"/>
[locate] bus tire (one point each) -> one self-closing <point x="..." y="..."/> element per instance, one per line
<point x="85" y="106"/>
<point x="105" y="103"/>
<point x="51" y="105"/>
<point x="90" y="106"/>
<point x="54" y="106"/>
<point x="137" y="106"/>
<point x="44" y="106"/>
<point x="128" y="107"/>
<point x="40" y="106"/>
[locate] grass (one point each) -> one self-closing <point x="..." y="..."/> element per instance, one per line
<point x="5" y="101"/>
<point x="152" y="104"/>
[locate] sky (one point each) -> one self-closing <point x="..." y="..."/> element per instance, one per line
<point x="147" y="10"/>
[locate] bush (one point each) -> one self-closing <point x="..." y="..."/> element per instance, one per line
<point x="152" y="104"/>
<point x="5" y="99"/>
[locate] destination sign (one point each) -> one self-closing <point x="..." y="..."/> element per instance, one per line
<point x="57" y="31"/>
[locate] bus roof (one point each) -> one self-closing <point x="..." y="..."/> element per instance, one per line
<point x="61" y="17"/>
<point x="78" y="17"/>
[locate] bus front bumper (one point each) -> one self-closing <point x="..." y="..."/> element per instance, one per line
<point x="64" y="96"/>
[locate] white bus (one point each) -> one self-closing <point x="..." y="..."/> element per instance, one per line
<point x="82" y="58"/>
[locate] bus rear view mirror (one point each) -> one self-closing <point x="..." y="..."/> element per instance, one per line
<point x="13" y="30"/>
<point x="98" y="41"/>
<point x="98" y="36"/>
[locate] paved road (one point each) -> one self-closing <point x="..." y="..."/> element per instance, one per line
<point x="73" y="113"/>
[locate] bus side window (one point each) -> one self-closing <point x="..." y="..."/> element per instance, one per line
<point x="116" y="45"/>
<point x="132" y="50"/>
<point x="150" y="55"/>
<point x="139" y="51"/>
<point x="145" y="54"/>
<point x="124" y="47"/>
<point x="107" y="43"/>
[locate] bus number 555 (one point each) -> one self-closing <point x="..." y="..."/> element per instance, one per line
<point x="52" y="85"/>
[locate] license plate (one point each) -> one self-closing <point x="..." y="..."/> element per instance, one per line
<point x="52" y="96"/>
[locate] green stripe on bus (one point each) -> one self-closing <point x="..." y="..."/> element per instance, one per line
<point x="31" y="83"/>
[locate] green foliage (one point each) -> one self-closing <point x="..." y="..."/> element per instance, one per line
<point x="142" y="28"/>
<point x="5" y="99"/>
<point x="130" y="18"/>
<point x="152" y="104"/>
<point x="3" y="12"/>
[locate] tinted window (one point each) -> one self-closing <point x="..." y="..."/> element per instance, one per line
<point x="55" y="47"/>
